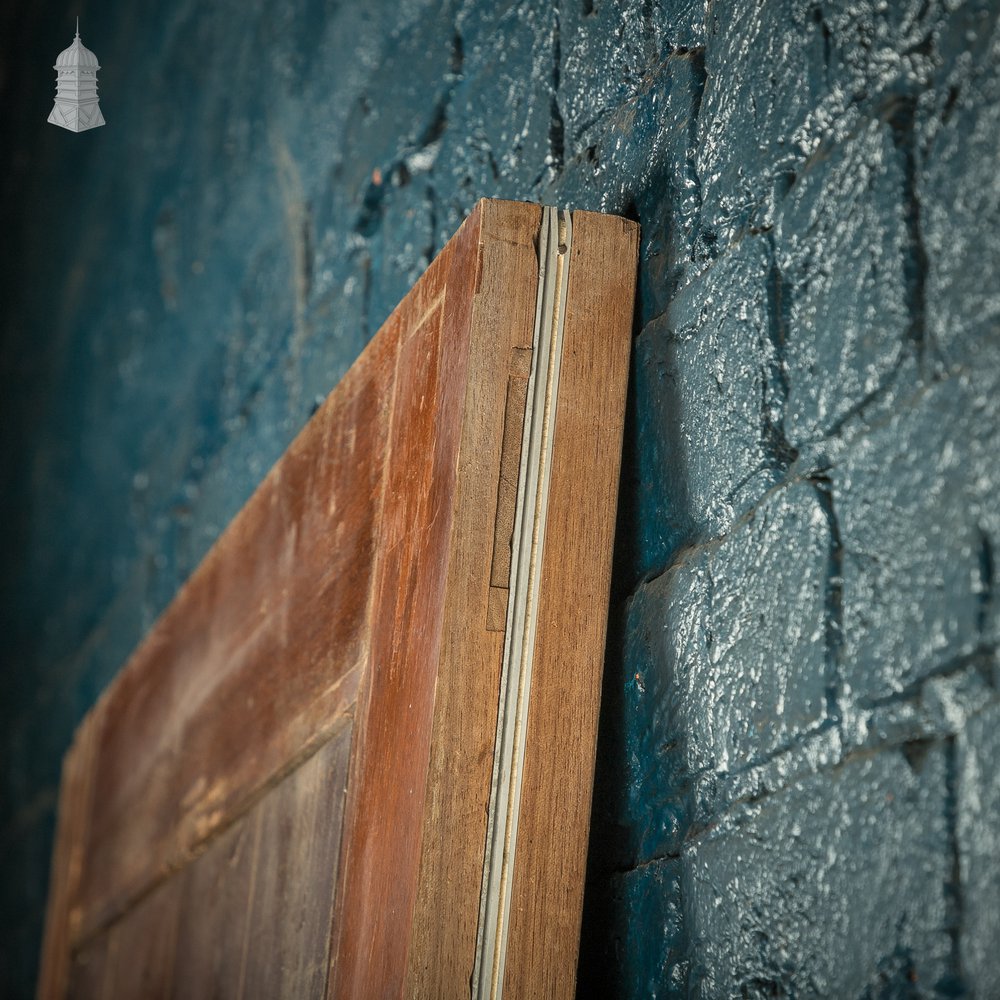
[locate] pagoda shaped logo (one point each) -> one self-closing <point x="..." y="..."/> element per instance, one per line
<point x="76" y="106"/>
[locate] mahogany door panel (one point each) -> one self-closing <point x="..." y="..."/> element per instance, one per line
<point x="331" y="768"/>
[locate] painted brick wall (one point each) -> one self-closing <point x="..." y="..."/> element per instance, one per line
<point x="797" y="791"/>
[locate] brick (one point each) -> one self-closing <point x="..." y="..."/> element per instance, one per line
<point x="843" y="299"/>
<point x="748" y="127"/>
<point x="612" y="49"/>
<point x="912" y="550"/>
<point x="654" y="957"/>
<point x="959" y="126"/>
<point x="979" y="846"/>
<point x="835" y="887"/>
<point x="728" y="670"/>
<point x="700" y="381"/>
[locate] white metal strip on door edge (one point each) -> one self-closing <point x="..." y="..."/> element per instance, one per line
<point x="527" y="547"/>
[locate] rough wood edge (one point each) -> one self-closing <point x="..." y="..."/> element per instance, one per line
<point x="543" y="940"/>
<point x="528" y="547"/>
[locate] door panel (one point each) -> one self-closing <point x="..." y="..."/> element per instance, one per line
<point x="311" y="777"/>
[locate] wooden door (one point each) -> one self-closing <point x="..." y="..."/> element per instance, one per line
<point x="354" y="756"/>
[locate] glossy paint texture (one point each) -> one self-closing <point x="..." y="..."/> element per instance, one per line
<point x="797" y="789"/>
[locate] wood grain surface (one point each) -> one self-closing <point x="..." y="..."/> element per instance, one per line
<point x="284" y="793"/>
<point x="250" y="917"/>
<point x="258" y="656"/>
<point x="465" y="713"/>
<point x="389" y="768"/>
<point x="62" y="915"/>
<point x="576" y="578"/>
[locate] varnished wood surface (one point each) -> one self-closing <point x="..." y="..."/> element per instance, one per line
<point x="389" y="768"/>
<point x="258" y="656"/>
<point x="249" y="918"/>
<point x="334" y="665"/>
<point x="62" y="916"/>
<point x="92" y="969"/>
<point x="465" y="712"/>
<point x="289" y="924"/>
<point x="143" y="947"/>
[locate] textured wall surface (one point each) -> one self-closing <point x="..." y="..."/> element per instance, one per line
<point x="797" y="790"/>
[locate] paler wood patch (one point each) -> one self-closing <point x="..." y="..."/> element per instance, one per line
<point x="354" y="757"/>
